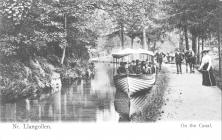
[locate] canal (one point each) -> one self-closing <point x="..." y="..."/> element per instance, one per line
<point x="85" y="101"/>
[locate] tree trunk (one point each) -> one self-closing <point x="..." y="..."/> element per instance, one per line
<point x="202" y="44"/>
<point x="181" y="47"/>
<point x="186" y="38"/>
<point x="64" y="49"/>
<point x="144" y="38"/>
<point x="63" y="55"/>
<point x="194" y="43"/>
<point x="121" y="35"/>
<point x="148" y="43"/>
<point x="154" y="46"/>
<point x="132" y="39"/>
<point x="198" y="51"/>
<point x="141" y="40"/>
<point x="202" y="47"/>
<point x="219" y="51"/>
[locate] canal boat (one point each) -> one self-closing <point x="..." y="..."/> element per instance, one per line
<point x="130" y="83"/>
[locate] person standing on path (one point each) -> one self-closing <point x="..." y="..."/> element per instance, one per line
<point x="159" y="57"/>
<point x="190" y="60"/>
<point x="179" y="59"/>
<point x="168" y="57"/>
<point x="207" y="70"/>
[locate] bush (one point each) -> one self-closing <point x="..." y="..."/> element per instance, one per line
<point x="17" y="90"/>
<point x="13" y="70"/>
<point x="20" y="81"/>
<point x="218" y="79"/>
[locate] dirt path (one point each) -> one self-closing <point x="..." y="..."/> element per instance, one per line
<point x="187" y="99"/>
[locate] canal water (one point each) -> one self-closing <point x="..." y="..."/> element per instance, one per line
<point x="85" y="101"/>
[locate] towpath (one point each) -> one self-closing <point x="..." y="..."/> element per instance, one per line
<point x="186" y="99"/>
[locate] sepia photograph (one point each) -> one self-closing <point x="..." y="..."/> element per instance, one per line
<point x="122" y="62"/>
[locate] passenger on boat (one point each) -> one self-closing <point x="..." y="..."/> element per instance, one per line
<point x="143" y="67"/>
<point x="138" y="67"/>
<point x="122" y="68"/>
<point x="148" y="68"/>
<point x="153" y="69"/>
<point x="132" y="67"/>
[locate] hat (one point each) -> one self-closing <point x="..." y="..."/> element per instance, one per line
<point x="205" y="51"/>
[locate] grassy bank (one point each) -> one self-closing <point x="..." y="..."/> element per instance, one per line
<point x="154" y="100"/>
<point x="218" y="79"/>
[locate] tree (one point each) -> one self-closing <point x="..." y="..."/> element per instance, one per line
<point x="200" y="18"/>
<point x="191" y="17"/>
<point x="38" y="25"/>
<point x="128" y="16"/>
<point x="71" y="17"/>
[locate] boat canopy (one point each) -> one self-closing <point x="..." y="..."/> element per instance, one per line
<point x="129" y="51"/>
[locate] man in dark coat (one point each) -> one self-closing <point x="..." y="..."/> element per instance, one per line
<point x="179" y="59"/>
<point x="159" y="58"/>
<point x="138" y="67"/>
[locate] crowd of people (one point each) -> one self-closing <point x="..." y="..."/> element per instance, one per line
<point x="136" y="67"/>
<point x="205" y="68"/>
<point x="179" y="56"/>
<point x="146" y="67"/>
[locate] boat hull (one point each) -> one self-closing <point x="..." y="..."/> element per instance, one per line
<point x="132" y="84"/>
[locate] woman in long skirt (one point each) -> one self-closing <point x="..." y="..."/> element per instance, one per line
<point x="207" y="71"/>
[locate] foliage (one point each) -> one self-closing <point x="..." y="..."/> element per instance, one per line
<point x="130" y="17"/>
<point x="35" y="33"/>
<point x="33" y="26"/>
<point x="199" y="16"/>
<point x="16" y="10"/>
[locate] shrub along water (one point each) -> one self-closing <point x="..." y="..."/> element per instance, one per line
<point x="32" y="78"/>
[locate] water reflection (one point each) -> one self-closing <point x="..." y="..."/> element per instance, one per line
<point x="122" y="106"/>
<point x="82" y="101"/>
